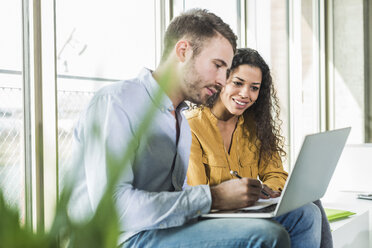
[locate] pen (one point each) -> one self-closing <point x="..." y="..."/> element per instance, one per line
<point x="235" y="173"/>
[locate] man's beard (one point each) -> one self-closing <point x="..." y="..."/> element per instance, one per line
<point x="212" y="99"/>
<point x="193" y="84"/>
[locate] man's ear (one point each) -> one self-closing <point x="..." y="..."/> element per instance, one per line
<point x="183" y="50"/>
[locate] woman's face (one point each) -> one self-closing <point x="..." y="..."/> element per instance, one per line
<point x="242" y="89"/>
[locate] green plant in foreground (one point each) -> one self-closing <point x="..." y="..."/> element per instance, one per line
<point x="102" y="229"/>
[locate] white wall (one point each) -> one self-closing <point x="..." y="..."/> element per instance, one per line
<point x="354" y="170"/>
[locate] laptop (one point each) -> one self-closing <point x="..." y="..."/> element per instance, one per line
<point x="307" y="182"/>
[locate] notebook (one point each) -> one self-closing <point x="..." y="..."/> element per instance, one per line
<point x="337" y="214"/>
<point x="308" y="180"/>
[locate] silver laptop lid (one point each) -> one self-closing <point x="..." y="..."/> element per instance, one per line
<point x="313" y="169"/>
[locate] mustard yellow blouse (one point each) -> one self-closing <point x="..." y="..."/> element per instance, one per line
<point x="210" y="163"/>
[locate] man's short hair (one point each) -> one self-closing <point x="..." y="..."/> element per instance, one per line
<point x="197" y="25"/>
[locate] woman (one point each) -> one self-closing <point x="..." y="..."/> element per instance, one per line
<point x="240" y="132"/>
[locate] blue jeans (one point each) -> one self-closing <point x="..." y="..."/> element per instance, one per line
<point x="299" y="228"/>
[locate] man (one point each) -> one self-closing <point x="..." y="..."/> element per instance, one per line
<point x="153" y="207"/>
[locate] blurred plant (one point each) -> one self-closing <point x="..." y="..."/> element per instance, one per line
<point x="102" y="230"/>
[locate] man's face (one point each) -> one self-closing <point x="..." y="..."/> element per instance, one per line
<point x="205" y="74"/>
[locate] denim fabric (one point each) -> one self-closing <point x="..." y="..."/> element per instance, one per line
<point x="299" y="228"/>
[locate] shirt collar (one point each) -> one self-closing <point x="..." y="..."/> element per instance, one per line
<point x="214" y="119"/>
<point x="152" y="87"/>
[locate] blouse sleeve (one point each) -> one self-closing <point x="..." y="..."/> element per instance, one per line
<point x="196" y="174"/>
<point x="272" y="173"/>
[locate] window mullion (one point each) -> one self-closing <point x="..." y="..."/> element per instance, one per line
<point x="242" y="22"/>
<point x="163" y="15"/>
<point x="321" y="18"/>
<point x="295" y="79"/>
<point x="330" y="69"/>
<point x="27" y="125"/>
<point x="45" y="117"/>
<point x="49" y="108"/>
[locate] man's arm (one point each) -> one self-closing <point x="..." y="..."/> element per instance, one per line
<point x="142" y="210"/>
<point x="235" y="193"/>
<point x="106" y="131"/>
<point x="139" y="209"/>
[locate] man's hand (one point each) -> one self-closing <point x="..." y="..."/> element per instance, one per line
<point x="235" y="193"/>
<point x="271" y="193"/>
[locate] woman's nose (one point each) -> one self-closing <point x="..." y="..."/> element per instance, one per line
<point x="244" y="91"/>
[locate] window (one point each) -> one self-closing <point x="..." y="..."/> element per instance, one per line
<point x="311" y="85"/>
<point x="267" y="32"/>
<point x="113" y="41"/>
<point x="319" y="53"/>
<point x="227" y="10"/>
<point x="348" y="68"/>
<point x="11" y="104"/>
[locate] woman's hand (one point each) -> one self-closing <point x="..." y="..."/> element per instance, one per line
<point x="270" y="193"/>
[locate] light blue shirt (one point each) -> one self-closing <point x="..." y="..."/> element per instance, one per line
<point x="150" y="194"/>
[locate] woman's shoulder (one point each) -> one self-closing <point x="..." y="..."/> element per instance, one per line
<point x="195" y="114"/>
<point x="197" y="118"/>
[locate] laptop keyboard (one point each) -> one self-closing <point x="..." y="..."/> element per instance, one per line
<point x="267" y="209"/>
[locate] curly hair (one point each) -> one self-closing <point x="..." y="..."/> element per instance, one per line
<point x="265" y="112"/>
